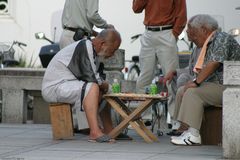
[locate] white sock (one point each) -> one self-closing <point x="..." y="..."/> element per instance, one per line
<point x="169" y="121"/>
<point x="194" y="131"/>
<point x="175" y="124"/>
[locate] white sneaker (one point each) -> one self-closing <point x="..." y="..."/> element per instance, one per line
<point x="187" y="139"/>
<point x="174" y="137"/>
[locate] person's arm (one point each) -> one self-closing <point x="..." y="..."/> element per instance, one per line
<point x="94" y="33"/>
<point x="180" y="17"/>
<point x="204" y="74"/>
<point x="139" y="5"/>
<point x="169" y="76"/>
<point x="93" y="15"/>
<point x="219" y="53"/>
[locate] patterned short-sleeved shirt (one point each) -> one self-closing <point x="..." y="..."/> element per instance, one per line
<point x="222" y="47"/>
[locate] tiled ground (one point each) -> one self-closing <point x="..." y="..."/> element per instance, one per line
<point x="34" y="142"/>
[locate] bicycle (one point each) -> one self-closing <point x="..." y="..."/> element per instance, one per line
<point x="7" y="54"/>
<point x="134" y="70"/>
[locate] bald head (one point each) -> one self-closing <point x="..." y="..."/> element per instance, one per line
<point x="107" y="42"/>
<point x="110" y="35"/>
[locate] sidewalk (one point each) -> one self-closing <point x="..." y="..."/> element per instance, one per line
<point x="34" y="142"/>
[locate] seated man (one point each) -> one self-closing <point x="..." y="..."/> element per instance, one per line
<point x="72" y="77"/>
<point x="182" y="76"/>
<point x="207" y="87"/>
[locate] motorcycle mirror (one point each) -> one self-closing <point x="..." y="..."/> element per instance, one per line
<point x="234" y="32"/>
<point x="41" y="35"/>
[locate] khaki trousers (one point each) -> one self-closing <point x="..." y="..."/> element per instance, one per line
<point x="157" y="48"/>
<point x="190" y="105"/>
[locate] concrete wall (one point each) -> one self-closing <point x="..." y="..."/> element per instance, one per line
<point x="231" y="110"/>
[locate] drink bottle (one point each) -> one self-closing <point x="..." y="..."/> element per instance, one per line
<point x="153" y="88"/>
<point x="115" y="86"/>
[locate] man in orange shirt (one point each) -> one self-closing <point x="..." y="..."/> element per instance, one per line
<point x="164" y="20"/>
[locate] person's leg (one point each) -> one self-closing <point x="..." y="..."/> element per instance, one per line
<point x="178" y="101"/>
<point x="166" y="50"/>
<point x="90" y="104"/>
<point x="194" y="100"/>
<point x="147" y="60"/>
<point x="179" y="126"/>
<point x="183" y="79"/>
<point x="105" y="115"/>
<point x="192" y="108"/>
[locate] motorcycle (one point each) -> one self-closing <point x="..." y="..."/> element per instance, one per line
<point x="47" y="52"/>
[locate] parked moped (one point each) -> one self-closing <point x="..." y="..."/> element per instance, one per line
<point x="47" y="52"/>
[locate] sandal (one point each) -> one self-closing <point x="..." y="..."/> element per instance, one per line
<point x="102" y="139"/>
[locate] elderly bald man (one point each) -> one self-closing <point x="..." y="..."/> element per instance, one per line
<point x="207" y="87"/>
<point x="72" y="77"/>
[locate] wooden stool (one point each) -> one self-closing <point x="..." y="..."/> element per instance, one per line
<point x="61" y="119"/>
<point x="211" y="129"/>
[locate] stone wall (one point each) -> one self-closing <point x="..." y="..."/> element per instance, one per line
<point x="231" y="110"/>
<point x="15" y="83"/>
<point x="113" y="66"/>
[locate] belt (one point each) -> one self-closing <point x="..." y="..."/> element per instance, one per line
<point x="160" y="28"/>
<point x="70" y="28"/>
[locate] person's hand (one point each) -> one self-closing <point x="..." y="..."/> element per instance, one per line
<point x="94" y="33"/>
<point x="168" y="77"/>
<point x="110" y="26"/>
<point x="104" y="87"/>
<point x="190" y="84"/>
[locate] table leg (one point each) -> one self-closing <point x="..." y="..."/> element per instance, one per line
<point x="141" y="132"/>
<point x="139" y="122"/>
<point x="128" y="118"/>
<point x="117" y="130"/>
<point x="147" y="131"/>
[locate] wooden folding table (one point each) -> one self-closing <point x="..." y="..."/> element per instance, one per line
<point x="133" y="117"/>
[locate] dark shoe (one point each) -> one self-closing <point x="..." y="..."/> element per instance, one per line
<point x="148" y="123"/>
<point x="82" y="131"/>
<point x="122" y="136"/>
<point x="174" y="133"/>
<point x="169" y="126"/>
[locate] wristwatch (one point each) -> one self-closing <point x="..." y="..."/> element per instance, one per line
<point x="195" y="81"/>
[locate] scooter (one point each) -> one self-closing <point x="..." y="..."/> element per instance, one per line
<point x="47" y="52"/>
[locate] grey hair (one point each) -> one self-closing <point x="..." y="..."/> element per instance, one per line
<point x="205" y="20"/>
<point x="109" y="34"/>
